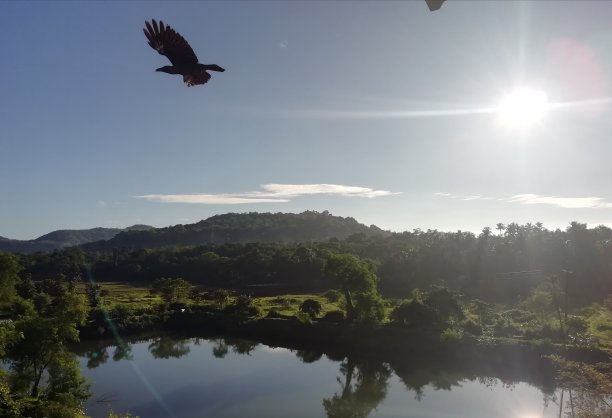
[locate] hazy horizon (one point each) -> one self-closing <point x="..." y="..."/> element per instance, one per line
<point x="380" y="111"/>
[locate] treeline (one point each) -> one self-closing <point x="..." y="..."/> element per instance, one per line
<point x="501" y="266"/>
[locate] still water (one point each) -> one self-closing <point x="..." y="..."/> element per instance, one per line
<point x="223" y="378"/>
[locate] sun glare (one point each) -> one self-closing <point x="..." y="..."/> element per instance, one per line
<point x="523" y="107"/>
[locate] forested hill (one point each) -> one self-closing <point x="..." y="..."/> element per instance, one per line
<point x="244" y="228"/>
<point x="64" y="238"/>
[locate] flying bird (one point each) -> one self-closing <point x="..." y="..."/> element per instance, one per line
<point x="170" y="43"/>
<point x="434" y="4"/>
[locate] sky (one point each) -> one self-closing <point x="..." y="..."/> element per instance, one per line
<point x="382" y="111"/>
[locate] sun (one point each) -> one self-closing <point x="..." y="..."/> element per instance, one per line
<point x="523" y="107"/>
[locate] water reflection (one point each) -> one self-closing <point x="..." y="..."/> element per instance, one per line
<point x="222" y="346"/>
<point x="273" y="384"/>
<point x="166" y="347"/>
<point x="97" y="353"/>
<point x="363" y="387"/>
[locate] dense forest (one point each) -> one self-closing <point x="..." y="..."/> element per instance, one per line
<point x="500" y="267"/>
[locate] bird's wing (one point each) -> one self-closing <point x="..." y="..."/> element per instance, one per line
<point x="170" y="43"/>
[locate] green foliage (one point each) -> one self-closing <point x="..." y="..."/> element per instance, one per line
<point x="414" y="314"/>
<point x="9" y="277"/>
<point x="445" y="303"/>
<point x="172" y="289"/>
<point x="450" y="336"/>
<point x="44" y="378"/>
<point x="220" y="297"/>
<point x="590" y="386"/>
<point x="303" y="317"/>
<point x="369" y="308"/>
<point x="311" y="307"/>
<point x="357" y="281"/>
<point x="94" y="294"/>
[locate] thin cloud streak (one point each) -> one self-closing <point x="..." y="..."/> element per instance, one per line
<point x="271" y="193"/>
<point x="535" y="199"/>
<point x="207" y="199"/>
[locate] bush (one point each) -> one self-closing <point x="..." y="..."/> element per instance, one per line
<point x="414" y="314"/>
<point x="311" y="307"/>
<point x="576" y="323"/>
<point x="303" y="317"/>
<point x="450" y="336"/>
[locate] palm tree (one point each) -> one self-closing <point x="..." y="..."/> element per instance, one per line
<point x="500" y="227"/>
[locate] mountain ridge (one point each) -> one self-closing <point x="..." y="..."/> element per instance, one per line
<point x="64" y="238"/>
<point x="243" y="228"/>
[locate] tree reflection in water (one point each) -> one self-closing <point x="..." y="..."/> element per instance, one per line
<point x="363" y="388"/>
<point x="167" y="347"/>
<point x="221" y="346"/>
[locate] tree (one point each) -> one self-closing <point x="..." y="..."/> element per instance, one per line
<point x="352" y="275"/>
<point x="414" y="314"/>
<point x="500" y="227"/>
<point x="444" y="303"/>
<point x="9" y="277"/>
<point x="172" y="290"/>
<point x="44" y="376"/>
<point x="311" y="307"/>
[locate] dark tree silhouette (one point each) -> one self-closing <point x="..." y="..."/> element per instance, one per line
<point x="170" y="43"/>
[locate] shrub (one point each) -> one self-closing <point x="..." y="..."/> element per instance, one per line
<point x="303" y="317"/>
<point x="414" y="314"/>
<point x="577" y="323"/>
<point x="311" y="307"/>
<point x="450" y="336"/>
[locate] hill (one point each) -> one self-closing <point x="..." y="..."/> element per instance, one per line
<point x="243" y="228"/>
<point x="64" y="238"/>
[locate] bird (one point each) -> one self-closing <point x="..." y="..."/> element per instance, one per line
<point x="434" y="4"/>
<point x="170" y="43"/>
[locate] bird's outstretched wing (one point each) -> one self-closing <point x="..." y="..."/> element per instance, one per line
<point x="170" y="43"/>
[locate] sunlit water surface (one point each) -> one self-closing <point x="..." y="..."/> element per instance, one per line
<point x="217" y="378"/>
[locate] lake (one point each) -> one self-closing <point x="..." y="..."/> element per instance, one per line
<point x="223" y="378"/>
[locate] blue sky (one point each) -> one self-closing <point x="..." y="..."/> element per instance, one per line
<point x="382" y="111"/>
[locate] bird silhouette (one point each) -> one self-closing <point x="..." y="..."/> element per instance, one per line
<point x="170" y="43"/>
<point x="434" y="4"/>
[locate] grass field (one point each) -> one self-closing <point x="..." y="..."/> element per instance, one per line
<point x="136" y="296"/>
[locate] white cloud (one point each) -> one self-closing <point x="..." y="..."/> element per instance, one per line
<point x="270" y="193"/>
<point x="535" y="199"/>
<point x="563" y="202"/>
<point x="208" y="199"/>
<point x="283" y="44"/>
<point x="293" y="190"/>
